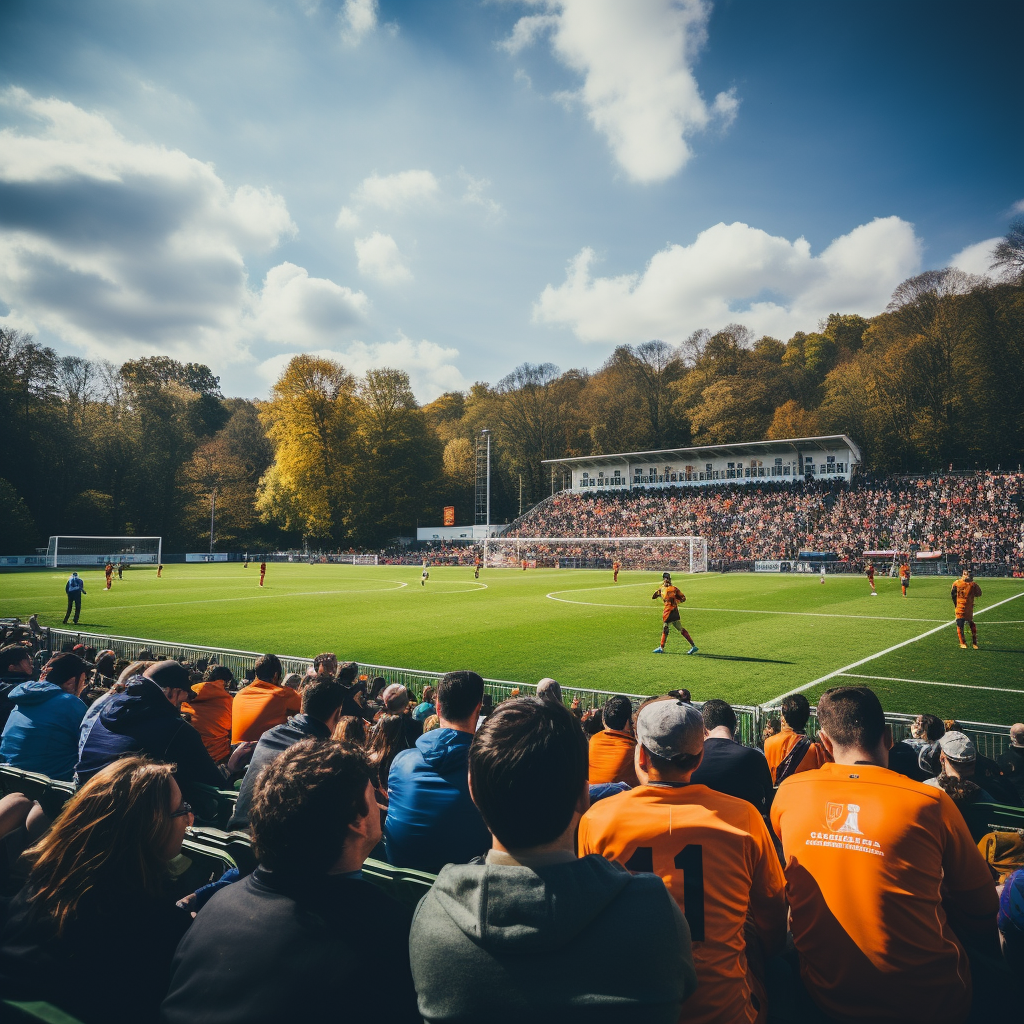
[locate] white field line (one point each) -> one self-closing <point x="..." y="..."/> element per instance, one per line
<point x="929" y="682"/>
<point x="888" y="650"/>
<point x="739" y="611"/>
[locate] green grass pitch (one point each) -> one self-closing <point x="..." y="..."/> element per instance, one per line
<point x="760" y="636"/>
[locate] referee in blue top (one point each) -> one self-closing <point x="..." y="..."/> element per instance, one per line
<point x="74" y="588"/>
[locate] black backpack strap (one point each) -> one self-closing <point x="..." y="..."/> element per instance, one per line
<point x="792" y="760"/>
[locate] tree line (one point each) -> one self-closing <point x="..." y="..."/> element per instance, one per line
<point x="335" y="460"/>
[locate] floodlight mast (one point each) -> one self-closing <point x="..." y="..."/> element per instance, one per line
<point x="487" y="524"/>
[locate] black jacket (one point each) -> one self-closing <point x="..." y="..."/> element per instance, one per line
<point x="1012" y="765"/>
<point x="7" y="683"/>
<point x="143" y="721"/>
<point x="731" y="768"/>
<point x="110" y="966"/>
<point x="263" y="951"/>
<point x="271" y="743"/>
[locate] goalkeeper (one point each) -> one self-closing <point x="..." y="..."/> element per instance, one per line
<point x="672" y="597"/>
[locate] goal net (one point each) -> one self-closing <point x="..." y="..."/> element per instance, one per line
<point x="684" y="554"/>
<point x="100" y="550"/>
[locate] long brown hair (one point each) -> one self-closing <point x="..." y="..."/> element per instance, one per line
<point x="112" y="831"/>
<point x="387" y="740"/>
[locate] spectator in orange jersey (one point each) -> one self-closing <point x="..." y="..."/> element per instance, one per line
<point x="611" y="750"/>
<point x="791" y="748"/>
<point x="879" y="871"/>
<point x="210" y="712"/>
<point x="264" y="703"/>
<point x="711" y="850"/>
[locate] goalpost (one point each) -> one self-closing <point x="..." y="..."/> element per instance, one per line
<point x="684" y="554"/>
<point x="82" y="550"/>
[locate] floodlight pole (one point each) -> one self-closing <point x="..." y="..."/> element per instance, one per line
<point x="487" y="523"/>
<point x="213" y="512"/>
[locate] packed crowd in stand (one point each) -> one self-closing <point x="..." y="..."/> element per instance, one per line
<point x="620" y="864"/>
<point x="974" y="518"/>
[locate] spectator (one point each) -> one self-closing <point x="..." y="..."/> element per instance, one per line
<point x="96" y="888"/>
<point x="350" y="729"/>
<point x="531" y="932"/>
<point x="290" y="941"/>
<point x="612" y="750"/>
<point x="262" y="704"/>
<point x="1011" y="920"/>
<point x="957" y="759"/>
<point x="548" y="689"/>
<point x="728" y="766"/>
<point x="16" y="667"/>
<point x="903" y="757"/>
<point x="210" y="712"/>
<point x="293" y="681"/>
<point x="426" y="707"/>
<point x="880" y="870"/>
<point x="387" y="740"/>
<point x="689" y="835"/>
<point x="326" y="665"/>
<point x="41" y="734"/>
<point x="486" y="707"/>
<point x="431" y="818"/>
<point x="145" y="719"/>
<point x="792" y="750"/>
<point x="398" y="701"/>
<point x="104" y="674"/>
<point x="432" y="723"/>
<point x="322" y="701"/>
<point x="1012" y="762"/>
<point x="986" y="773"/>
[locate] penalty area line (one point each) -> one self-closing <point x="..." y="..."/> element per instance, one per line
<point x="871" y="657"/>
<point x="930" y="682"/>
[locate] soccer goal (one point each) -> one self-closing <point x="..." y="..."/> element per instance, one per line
<point x="684" y="554"/>
<point x="88" y="551"/>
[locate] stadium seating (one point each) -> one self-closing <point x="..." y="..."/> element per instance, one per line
<point x="983" y="818"/>
<point x="213" y="806"/>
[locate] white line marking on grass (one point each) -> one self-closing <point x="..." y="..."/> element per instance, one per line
<point x="739" y="611"/>
<point x="929" y="682"/>
<point x="888" y="650"/>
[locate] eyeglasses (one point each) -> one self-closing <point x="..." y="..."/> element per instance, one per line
<point x="183" y="811"/>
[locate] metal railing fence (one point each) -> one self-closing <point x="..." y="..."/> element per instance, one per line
<point x="991" y="739"/>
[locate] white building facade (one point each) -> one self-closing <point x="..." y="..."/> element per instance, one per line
<point x="833" y="457"/>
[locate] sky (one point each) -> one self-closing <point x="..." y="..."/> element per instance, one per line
<point x="457" y="187"/>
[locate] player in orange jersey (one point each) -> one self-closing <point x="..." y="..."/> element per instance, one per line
<point x="476" y="568"/>
<point x="108" y="572"/>
<point x="712" y="851"/>
<point x="880" y="869"/>
<point x="671" y="597"/>
<point x="159" y="571"/>
<point x="263" y="572"/>
<point x="871" y="579"/>
<point x="963" y="593"/>
<point x="524" y="565"/>
<point x="616" y="566"/>
<point x="904" y="577"/>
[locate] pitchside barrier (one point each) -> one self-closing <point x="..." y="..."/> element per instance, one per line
<point x="990" y="739"/>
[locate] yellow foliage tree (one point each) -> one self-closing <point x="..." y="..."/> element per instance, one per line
<point x="792" y="420"/>
<point x="311" y="421"/>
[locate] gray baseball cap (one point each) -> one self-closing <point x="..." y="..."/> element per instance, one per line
<point x="667" y="728"/>
<point x="958" y="747"/>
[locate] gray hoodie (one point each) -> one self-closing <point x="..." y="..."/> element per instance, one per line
<point x="582" y="940"/>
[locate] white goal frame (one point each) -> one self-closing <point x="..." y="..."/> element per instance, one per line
<point x="112" y="551"/>
<point x="685" y="554"/>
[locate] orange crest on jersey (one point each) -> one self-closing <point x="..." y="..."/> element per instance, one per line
<point x="834" y="814"/>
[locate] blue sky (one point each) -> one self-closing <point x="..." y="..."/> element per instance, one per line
<point x="457" y="187"/>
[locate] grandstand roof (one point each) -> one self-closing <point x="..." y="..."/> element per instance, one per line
<point x="824" y="443"/>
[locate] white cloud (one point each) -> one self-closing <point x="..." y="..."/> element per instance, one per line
<point x="431" y="367"/>
<point x="1018" y="207"/>
<point x="976" y="258"/>
<point x="358" y="19"/>
<point x="638" y="86"/>
<point x="475" y="194"/>
<point x="122" y="249"/>
<point x="733" y="272"/>
<point x="380" y="258"/>
<point x="298" y="311"/>
<point x="348" y="219"/>
<point x="395" y="192"/>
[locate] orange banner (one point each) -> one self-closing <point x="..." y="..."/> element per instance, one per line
<point x="449" y="515"/>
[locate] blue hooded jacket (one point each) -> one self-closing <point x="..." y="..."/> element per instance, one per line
<point x="41" y="734"/>
<point x="432" y="820"/>
<point x="143" y="721"/>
